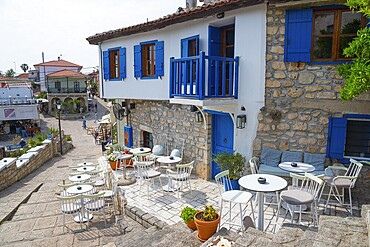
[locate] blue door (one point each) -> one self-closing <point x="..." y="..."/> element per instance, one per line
<point x="222" y="137"/>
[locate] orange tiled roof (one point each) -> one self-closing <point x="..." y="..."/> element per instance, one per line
<point x="59" y="63"/>
<point x="66" y="73"/>
<point x="23" y="76"/>
<point x="182" y="15"/>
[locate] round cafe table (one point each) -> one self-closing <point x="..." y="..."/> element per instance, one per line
<point x="273" y="183"/>
<point x="169" y="160"/>
<point x="140" y="150"/>
<point x="85" y="164"/>
<point x="79" y="178"/>
<point x="77" y="190"/>
<point x="86" y="169"/>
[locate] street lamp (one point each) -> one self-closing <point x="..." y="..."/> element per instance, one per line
<point x="59" y="107"/>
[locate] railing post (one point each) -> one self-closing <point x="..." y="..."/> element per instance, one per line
<point x="171" y="76"/>
<point x="236" y="77"/>
<point x="202" y="75"/>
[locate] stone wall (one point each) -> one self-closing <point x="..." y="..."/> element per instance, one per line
<point x="176" y="121"/>
<point x="299" y="98"/>
<point x="12" y="174"/>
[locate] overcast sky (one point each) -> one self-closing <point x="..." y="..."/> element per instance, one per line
<point x="60" y="27"/>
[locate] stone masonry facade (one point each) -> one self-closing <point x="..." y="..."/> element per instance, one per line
<point x="176" y="121"/>
<point x="299" y="98"/>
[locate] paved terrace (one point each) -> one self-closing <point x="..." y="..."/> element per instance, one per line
<point x="30" y="216"/>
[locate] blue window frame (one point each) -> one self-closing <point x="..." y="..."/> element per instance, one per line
<point x="319" y="35"/>
<point x="349" y="136"/>
<point x="149" y="59"/>
<point x="114" y="63"/>
<point x="190" y="46"/>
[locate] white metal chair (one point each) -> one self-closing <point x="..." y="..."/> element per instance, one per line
<point x="342" y="182"/>
<point x="181" y="176"/>
<point x="147" y="174"/>
<point x="69" y="206"/>
<point x="231" y="196"/>
<point x="110" y="193"/>
<point x="96" y="203"/>
<point x="308" y="193"/>
<point x="253" y="165"/>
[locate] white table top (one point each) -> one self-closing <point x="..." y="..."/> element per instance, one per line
<point x="301" y="167"/>
<point x="167" y="160"/>
<point x="273" y="183"/>
<point x="140" y="150"/>
<point x="85" y="169"/>
<point x="79" y="189"/>
<point x="79" y="178"/>
<point x="124" y="156"/>
<point x="85" y="164"/>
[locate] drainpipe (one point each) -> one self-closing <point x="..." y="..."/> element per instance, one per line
<point x="101" y="71"/>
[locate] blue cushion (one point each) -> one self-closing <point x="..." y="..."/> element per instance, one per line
<point x="273" y="170"/>
<point x="317" y="160"/>
<point x="288" y="156"/>
<point x="270" y="157"/>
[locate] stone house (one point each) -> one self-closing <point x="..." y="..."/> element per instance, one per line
<point x="197" y="75"/>
<point x="302" y="110"/>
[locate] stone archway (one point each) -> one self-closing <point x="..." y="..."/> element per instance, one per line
<point x="69" y="105"/>
<point x="81" y="103"/>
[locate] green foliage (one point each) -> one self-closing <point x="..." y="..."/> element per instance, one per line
<point x="357" y="73"/>
<point x="94" y="87"/>
<point x="52" y="131"/>
<point x="187" y="214"/>
<point x="42" y="95"/>
<point x="24" y="67"/>
<point x="68" y="138"/>
<point x="233" y="162"/>
<point x="362" y="6"/>
<point x="208" y="214"/>
<point x="40" y="137"/>
<point x="32" y="142"/>
<point x="10" y="73"/>
<point x="18" y="152"/>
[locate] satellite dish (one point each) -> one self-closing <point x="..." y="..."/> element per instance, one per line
<point x="118" y="111"/>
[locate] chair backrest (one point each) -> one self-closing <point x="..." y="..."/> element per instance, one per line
<point x="179" y="145"/>
<point x="354" y="170"/>
<point x="143" y="169"/>
<point x="68" y="204"/>
<point x="142" y="157"/>
<point x="95" y="200"/>
<point x="185" y="168"/>
<point x="253" y="164"/>
<point x="223" y="181"/>
<point x="312" y="184"/>
<point x="162" y="140"/>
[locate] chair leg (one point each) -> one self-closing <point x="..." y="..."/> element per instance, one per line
<point x="278" y="211"/>
<point x="327" y="201"/>
<point x="219" y="224"/>
<point x="350" y="199"/>
<point x="64" y="222"/>
<point x="254" y="218"/>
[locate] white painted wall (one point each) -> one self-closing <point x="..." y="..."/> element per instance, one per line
<point x="250" y="43"/>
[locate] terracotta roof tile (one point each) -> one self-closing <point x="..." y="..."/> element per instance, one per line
<point x="178" y="17"/>
<point x="59" y="63"/>
<point x="66" y="73"/>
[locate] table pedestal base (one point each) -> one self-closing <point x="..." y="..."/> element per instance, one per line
<point x="126" y="181"/>
<point x="169" y="188"/>
<point x="83" y="218"/>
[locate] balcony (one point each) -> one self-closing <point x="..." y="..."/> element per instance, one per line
<point x="204" y="77"/>
<point x="66" y="90"/>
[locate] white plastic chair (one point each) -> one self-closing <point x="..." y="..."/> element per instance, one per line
<point x="147" y="174"/>
<point x="95" y="203"/>
<point x="110" y="193"/>
<point x="232" y="196"/>
<point x="69" y="206"/>
<point x="342" y="182"/>
<point x="181" y="176"/>
<point x="308" y="193"/>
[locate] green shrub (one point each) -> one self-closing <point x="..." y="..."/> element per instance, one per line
<point x="68" y="138"/>
<point x="187" y="214"/>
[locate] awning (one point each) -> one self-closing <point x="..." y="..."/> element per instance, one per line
<point x="105" y="121"/>
<point x="106" y="117"/>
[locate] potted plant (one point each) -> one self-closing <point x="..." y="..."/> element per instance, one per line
<point x="112" y="158"/>
<point x="207" y="222"/>
<point x="234" y="162"/>
<point x="187" y="215"/>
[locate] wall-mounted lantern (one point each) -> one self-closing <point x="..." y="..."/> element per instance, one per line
<point x="198" y="117"/>
<point x="241" y="121"/>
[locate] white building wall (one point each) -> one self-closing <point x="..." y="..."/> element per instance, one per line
<point x="250" y="42"/>
<point x="45" y="70"/>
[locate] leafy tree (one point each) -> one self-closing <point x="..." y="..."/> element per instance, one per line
<point x="94" y="87"/>
<point x="357" y="73"/>
<point x="10" y="73"/>
<point x="24" y="67"/>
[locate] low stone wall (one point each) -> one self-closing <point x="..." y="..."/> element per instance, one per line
<point x="12" y="174"/>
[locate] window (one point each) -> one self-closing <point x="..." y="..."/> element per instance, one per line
<point x="114" y="63"/>
<point x="149" y="59"/>
<point x="319" y="35"/>
<point x="190" y="48"/>
<point x="349" y="136"/>
<point x="147" y="139"/>
<point x="76" y="85"/>
<point x="332" y="31"/>
<point x="57" y="85"/>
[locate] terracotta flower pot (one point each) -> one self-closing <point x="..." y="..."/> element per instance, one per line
<point x="206" y="229"/>
<point x="191" y="225"/>
<point x="113" y="164"/>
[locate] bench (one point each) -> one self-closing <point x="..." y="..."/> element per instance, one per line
<point x="271" y="158"/>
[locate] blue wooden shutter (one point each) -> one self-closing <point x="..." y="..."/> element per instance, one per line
<point x="298" y="31"/>
<point x="159" y="58"/>
<point x="184" y="47"/>
<point x="336" y="137"/>
<point x="106" y="64"/>
<point x="214" y="41"/>
<point x="122" y="62"/>
<point x="137" y="61"/>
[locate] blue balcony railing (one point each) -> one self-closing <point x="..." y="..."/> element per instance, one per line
<point x="204" y="77"/>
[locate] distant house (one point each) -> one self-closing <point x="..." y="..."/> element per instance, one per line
<point x="63" y="82"/>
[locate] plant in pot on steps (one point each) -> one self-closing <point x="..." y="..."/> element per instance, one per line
<point x="187" y="215"/>
<point x="234" y="162"/>
<point x="207" y="222"/>
<point x="112" y="158"/>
